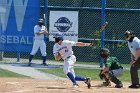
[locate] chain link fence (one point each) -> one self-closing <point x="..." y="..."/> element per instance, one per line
<point x="121" y="15"/>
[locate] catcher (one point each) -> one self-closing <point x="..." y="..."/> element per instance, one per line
<point x="112" y="69"/>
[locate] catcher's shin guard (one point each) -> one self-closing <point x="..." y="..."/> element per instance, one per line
<point x="115" y="80"/>
<point x="107" y="81"/>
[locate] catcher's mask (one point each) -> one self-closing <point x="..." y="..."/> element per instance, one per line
<point x="40" y="22"/>
<point x="129" y="35"/>
<point x="104" y="52"/>
<point x="58" y="37"/>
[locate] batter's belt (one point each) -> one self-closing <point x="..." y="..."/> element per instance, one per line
<point x="67" y="57"/>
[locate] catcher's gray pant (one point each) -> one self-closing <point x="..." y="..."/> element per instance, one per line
<point x="134" y="73"/>
<point x="117" y="72"/>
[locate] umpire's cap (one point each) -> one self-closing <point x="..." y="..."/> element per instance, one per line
<point x="58" y="37"/>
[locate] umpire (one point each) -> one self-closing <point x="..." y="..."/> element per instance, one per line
<point x="134" y="47"/>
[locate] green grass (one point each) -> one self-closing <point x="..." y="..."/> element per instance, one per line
<point x="93" y="73"/>
<point x="93" y="63"/>
<point x="6" y="73"/>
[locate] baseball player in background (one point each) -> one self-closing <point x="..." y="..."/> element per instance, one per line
<point x="134" y="47"/>
<point x="63" y="49"/>
<point x="112" y="70"/>
<point x="39" y="31"/>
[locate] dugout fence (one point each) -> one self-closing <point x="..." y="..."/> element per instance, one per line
<point x="121" y="15"/>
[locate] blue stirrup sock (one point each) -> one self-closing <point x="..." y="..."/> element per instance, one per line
<point x="79" y="78"/>
<point x="70" y="75"/>
<point x="30" y="58"/>
<point x="44" y="59"/>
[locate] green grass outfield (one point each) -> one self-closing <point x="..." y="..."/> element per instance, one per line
<point x="6" y="73"/>
<point x="92" y="63"/>
<point x="93" y="73"/>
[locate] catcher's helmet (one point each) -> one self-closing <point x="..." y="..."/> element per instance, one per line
<point x="104" y="52"/>
<point x="58" y="37"/>
<point x="129" y="35"/>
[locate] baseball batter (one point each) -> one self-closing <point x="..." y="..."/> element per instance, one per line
<point x="63" y="49"/>
<point x="134" y="47"/>
<point x="112" y="70"/>
<point x="39" y="31"/>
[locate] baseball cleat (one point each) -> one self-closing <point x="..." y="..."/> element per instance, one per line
<point x="119" y="85"/>
<point x="44" y="64"/>
<point x="75" y="85"/>
<point x="29" y="64"/>
<point x="134" y="86"/>
<point x="106" y="84"/>
<point x="88" y="80"/>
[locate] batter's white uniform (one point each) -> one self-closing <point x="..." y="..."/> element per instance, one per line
<point x="39" y="41"/>
<point x="65" y="49"/>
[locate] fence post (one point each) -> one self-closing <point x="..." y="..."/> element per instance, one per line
<point x="103" y="14"/>
<point x="46" y="12"/>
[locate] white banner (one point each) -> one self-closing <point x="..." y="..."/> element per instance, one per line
<point x="64" y="22"/>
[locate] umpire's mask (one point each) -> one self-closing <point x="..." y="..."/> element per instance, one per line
<point x="129" y="35"/>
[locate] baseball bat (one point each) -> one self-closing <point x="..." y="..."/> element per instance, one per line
<point x="44" y="17"/>
<point x="97" y="33"/>
<point x="103" y="27"/>
<point x="100" y="30"/>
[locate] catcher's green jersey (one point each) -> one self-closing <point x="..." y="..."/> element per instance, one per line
<point x="112" y="63"/>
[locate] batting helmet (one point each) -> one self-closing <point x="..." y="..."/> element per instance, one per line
<point x="58" y="37"/>
<point x="104" y="52"/>
<point x="129" y="35"/>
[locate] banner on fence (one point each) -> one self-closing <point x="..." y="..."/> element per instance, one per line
<point x="17" y="18"/>
<point x="65" y="22"/>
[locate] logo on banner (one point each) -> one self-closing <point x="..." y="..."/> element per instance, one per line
<point x="63" y="24"/>
<point x="5" y="10"/>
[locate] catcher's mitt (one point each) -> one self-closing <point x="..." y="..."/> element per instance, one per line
<point x="101" y="75"/>
<point x="104" y="75"/>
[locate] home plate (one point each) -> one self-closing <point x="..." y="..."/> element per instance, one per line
<point x="13" y="83"/>
<point x="20" y="91"/>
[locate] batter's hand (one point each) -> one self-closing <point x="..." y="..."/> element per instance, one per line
<point x="46" y="31"/>
<point x="89" y="44"/>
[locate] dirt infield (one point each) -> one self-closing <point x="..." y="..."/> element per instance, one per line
<point x="14" y="85"/>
